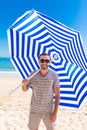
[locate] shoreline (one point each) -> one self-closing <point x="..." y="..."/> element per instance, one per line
<point x="9" y="74"/>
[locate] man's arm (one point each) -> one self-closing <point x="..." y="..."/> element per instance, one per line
<point x="57" y="99"/>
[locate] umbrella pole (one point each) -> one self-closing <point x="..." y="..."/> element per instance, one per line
<point x="21" y="83"/>
<point x="15" y="89"/>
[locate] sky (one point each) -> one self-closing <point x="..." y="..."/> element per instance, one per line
<point x="72" y="13"/>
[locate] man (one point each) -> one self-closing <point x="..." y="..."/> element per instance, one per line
<point x="44" y="84"/>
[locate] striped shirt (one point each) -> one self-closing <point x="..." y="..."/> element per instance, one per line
<point x="42" y="92"/>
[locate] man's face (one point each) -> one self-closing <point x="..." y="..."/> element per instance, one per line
<point x="44" y="62"/>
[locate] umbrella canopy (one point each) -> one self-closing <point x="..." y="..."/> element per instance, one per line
<point x="34" y="33"/>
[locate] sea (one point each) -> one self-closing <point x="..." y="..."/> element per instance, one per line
<point x="6" y="65"/>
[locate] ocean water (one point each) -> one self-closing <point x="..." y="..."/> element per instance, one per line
<point x="6" y="65"/>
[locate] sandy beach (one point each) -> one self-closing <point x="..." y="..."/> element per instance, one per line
<point x="14" y="108"/>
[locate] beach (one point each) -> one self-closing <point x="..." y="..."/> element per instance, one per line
<point x="14" y="108"/>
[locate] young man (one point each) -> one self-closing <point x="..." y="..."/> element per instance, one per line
<point x="44" y="84"/>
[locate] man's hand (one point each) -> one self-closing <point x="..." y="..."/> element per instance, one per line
<point x="25" y="82"/>
<point x="25" y="85"/>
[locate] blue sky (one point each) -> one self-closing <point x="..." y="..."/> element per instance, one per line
<point x="72" y="13"/>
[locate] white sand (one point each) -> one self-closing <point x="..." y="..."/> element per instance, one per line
<point x="14" y="109"/>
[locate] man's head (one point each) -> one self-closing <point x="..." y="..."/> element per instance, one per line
<point x="44" y="61"/>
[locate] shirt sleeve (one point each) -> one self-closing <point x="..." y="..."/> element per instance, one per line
<point x="32" y="79"/>
<point x="56" y="81"/>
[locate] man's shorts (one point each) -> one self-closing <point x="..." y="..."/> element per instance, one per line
<point x="35" y="119"/>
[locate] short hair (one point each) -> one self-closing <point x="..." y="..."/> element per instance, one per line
<point x="44" y="54"/>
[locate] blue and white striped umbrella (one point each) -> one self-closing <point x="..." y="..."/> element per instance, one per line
<point x="34" y="33"/>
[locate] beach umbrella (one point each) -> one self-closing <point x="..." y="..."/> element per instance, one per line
<point x="34" y="33"/>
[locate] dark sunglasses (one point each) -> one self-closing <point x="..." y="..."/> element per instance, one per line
<point x="42" y="61"/>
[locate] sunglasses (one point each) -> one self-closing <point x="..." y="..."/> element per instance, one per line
<point x="42" y="61"/>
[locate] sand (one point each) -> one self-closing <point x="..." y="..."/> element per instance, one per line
<point x="14" y="108"/>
